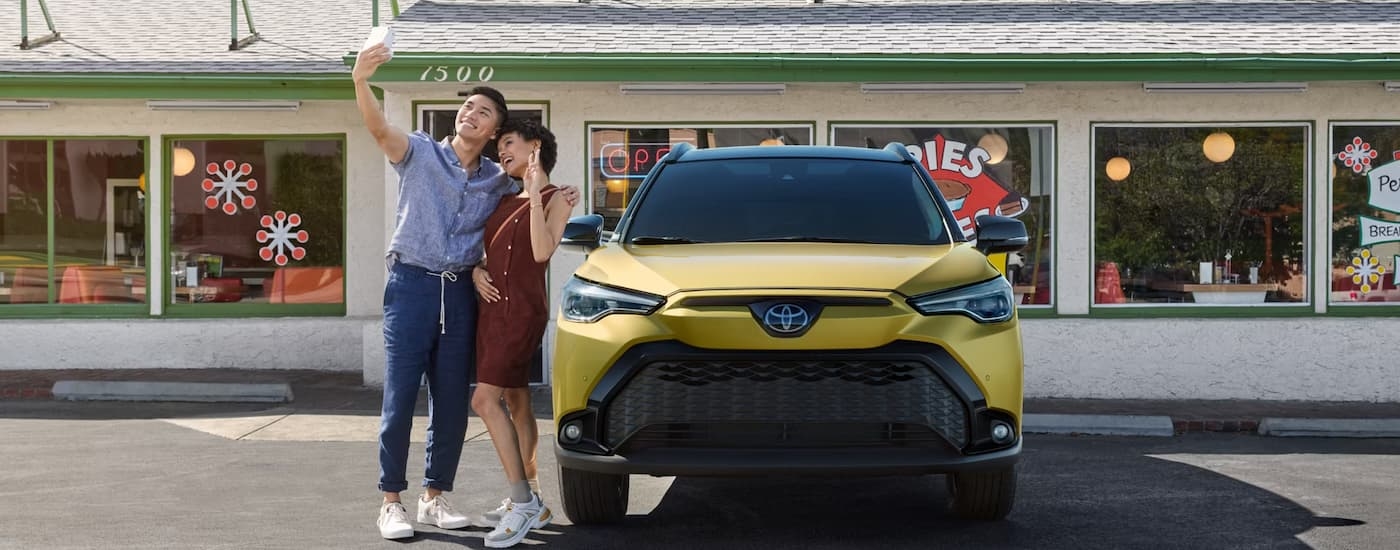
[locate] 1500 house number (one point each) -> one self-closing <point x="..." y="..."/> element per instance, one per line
<point x="461" y="73"/>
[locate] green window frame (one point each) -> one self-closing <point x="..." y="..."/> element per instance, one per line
<point x="1100" y="172"/>
<point x="245" y="310"/>
<point x="53" y="309"/>
<point x="1353" y="201"/>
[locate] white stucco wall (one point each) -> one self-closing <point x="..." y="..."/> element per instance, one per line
<point x="1072" y="355"/>
<point x="1325" y="359"/>
<point x="325" y="344"/>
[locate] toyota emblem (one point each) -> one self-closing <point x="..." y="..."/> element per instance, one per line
<point x="786" y="318"/>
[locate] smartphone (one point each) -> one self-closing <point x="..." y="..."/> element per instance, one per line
<point x="380" y="35"/>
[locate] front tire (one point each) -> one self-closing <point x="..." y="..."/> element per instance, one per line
<point x="986" y="496"/>
<point x="591" y="498"/>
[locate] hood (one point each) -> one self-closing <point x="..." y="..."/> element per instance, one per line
<point x="667" y="269"/>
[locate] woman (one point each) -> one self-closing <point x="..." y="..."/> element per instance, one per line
<point x="521" y="235"/>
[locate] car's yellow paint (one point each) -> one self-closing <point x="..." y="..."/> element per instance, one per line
<point x="584" y="351"/>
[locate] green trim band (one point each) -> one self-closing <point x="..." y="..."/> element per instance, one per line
<point x="333" y="86"/>
<point x="49" y="215"/>
<point x="74" y="311"/>
<point x="463" y="68"/>
<point x="242" y="311"/>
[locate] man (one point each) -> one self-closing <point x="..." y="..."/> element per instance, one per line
<point x="446" y="191"/>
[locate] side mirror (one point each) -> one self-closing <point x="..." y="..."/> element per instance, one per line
<point x="586" y="231"/>
<point x="996" y="234"/>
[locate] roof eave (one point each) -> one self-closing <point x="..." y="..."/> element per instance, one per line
<point x="763" y="67"/>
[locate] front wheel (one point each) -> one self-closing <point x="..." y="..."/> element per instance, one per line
<point x="592" y="498"/>
<point x="982" y="495"/>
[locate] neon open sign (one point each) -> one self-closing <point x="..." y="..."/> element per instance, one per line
<point x="630" y="160"/>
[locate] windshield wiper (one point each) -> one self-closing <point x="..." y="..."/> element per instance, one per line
<point x="804" y="239"/>
<point x="662" y="240"/>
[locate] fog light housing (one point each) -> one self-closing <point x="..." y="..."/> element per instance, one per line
<point x="1002" y="432"/>
<point x="572" y="432"/>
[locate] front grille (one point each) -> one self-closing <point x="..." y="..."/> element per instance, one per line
<point x="743" y="403"/>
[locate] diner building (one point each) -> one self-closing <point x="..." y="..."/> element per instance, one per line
<point x="1211" y="188"/>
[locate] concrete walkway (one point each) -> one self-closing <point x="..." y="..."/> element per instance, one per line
<point x="344" y="410"/>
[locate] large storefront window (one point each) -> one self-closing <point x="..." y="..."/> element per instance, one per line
<point x="1365" y="176"/>
<point x="1004" y="171"/>
<point x="257" y="221"/>
<point x="72" y="222"/>
<point x="1200" y="214"/>
<point x="621" y="156"/>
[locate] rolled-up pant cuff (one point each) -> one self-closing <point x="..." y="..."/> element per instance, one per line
<point x="444" y="487"/>
<point x="394" y="487"/>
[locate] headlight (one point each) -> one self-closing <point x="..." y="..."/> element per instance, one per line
<point x="985" y="302"/>
<point x="585" y="302"/>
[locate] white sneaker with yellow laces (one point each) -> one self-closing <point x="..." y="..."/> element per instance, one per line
<point x="493" y="517"/>
<point x="519" y="519"/>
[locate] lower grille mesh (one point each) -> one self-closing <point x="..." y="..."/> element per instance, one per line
<point x="780" y="398"/>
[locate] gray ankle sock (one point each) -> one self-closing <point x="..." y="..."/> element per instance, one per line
<point x="534" y="484"/>
<point x="520" y="492"/>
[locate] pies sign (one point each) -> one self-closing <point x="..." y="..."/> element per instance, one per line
<point x="961" y="175"/>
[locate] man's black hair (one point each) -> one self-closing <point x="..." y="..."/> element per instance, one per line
<point x="529" y="130"/>
<point x="495" y="96"/>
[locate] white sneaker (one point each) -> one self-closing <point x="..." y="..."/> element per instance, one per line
<point x="438" y="512"/>
<point x="493" y="518"/>
<point x="393" y="521"/>
<point x="519" y="519"/>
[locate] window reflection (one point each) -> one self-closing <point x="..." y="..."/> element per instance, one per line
<point x="621" y="156"/>
<point x="97" y="211"/>
<point x="1365" y="178"/>
<point x="1001" y="171"/>
<point x="1200" y="215"/>
<point x="258" y="221"/>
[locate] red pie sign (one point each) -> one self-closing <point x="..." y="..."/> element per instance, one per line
<point x="960" y="173"/>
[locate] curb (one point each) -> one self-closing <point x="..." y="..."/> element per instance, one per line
<point x="1330" y="427"/>
<point x="1217" y="426"/>
<point x="205" y="392"/>
<point x="1098" y="424"/>
<point x="25" y="393"/>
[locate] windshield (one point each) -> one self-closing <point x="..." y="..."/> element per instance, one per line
<point x="787" y="199"/>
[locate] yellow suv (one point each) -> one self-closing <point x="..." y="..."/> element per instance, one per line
<point x="788" y="310"/>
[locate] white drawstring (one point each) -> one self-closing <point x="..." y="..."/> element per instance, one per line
<point x="443" y="277"/>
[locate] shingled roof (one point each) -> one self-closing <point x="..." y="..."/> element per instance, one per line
<point x="903" y="26"/>
<point x="185" y="36"/>
<point x="311" y="36"/>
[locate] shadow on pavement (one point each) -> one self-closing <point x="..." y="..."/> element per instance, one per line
<point x="1114" y="497"/>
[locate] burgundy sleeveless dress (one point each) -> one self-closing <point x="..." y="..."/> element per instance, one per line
<point x="509" y="330"/>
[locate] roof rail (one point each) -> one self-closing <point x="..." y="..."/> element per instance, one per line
<point x="899" y="149"/>
<point x="677" y="151"/>
<point x="393" y="9"/>
<point x="234" y="43"/>
<point x="24" y="42"/>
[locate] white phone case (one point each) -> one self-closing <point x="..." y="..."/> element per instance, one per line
<point x="380" y="35"/>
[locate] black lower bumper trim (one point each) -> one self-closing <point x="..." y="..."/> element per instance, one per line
<point x="757" y="462"/>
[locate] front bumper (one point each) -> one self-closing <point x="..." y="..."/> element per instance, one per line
<point x="667" y="408"/>
<point x="758" y="462"/>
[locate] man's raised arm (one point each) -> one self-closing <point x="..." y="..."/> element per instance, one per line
<point x="391" y="140"/>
